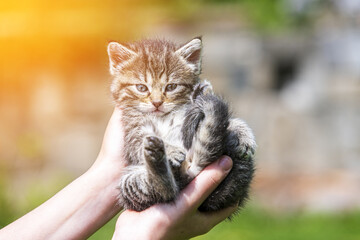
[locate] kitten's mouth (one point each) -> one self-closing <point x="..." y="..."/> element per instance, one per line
<point x="158" y="112"/>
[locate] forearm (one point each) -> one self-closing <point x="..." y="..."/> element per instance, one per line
<point x="75" y="212"/>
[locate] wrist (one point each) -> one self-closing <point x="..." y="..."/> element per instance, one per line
<point x="105" y="176"/>
<point x="96" y="203"/>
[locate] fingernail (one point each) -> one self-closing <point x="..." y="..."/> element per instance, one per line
<point x="225" y="163"/>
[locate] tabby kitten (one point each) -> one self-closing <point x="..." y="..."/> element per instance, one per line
<point x="174" y="125"/>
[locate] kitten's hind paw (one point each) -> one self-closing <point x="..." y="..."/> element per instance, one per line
<point x="154" y="148"/>
<point x="154" y="153"/>
<point x="247" y="145"/>
<point x="240" y="139"/>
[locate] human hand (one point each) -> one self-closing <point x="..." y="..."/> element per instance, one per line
<point x="181" y="219"/>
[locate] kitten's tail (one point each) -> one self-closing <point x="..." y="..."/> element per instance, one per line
<point x="204" y="132"/>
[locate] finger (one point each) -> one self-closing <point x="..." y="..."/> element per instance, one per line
<point x="114" y="132"/>
<point x="204" y="184"/>
<point x="115" y="120"/>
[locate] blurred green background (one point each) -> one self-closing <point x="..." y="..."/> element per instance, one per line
<point x="290" y="68"/>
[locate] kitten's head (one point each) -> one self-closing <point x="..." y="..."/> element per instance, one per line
<point x="154" y="76"/>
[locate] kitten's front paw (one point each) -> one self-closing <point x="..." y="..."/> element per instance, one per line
<point x="154" y="150"/>
<point x="201" y="89"/>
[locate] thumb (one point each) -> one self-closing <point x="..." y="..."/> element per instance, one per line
<point x="205" y="183"/>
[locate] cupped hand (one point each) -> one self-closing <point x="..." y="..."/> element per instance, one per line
<point x="181" y="219"/>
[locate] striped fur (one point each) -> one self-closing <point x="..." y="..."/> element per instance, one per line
<point x="174" y="125"/>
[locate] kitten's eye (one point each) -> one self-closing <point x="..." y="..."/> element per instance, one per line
<point x="170" y="87"/>
<point x="141" y="87"/>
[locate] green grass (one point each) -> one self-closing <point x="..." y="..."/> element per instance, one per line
<point x="253" y="224"/>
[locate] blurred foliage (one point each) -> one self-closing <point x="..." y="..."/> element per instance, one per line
<point x="263" y="15"/>
<point x="14" y="205"/>
<point x="267" y="16"/>
<point x="6" y="207"/>
<point x="260" y="15"/>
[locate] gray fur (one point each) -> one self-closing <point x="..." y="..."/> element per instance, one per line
<point x="171" y="135"/>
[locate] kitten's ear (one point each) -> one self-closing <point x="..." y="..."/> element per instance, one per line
<point x="191" y="52"/>
<point x="118" y="56"/>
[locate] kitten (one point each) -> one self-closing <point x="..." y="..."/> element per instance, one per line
<point x="174" y="125"/>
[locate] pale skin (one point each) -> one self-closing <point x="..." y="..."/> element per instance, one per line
<point x="90" y="201"/>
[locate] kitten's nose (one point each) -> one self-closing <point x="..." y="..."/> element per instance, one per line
<point x="157" y="103"/>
